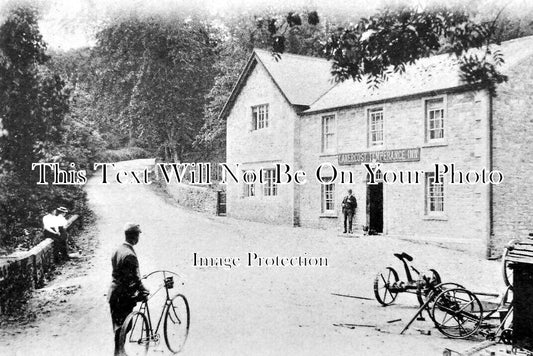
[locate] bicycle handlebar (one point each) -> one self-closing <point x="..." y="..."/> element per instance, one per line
<point x="164" y="271"/>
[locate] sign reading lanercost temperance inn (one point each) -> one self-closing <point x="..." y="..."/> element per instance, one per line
<point x="385" y="156"/>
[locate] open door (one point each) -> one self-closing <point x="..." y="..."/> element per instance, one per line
<point x="374" y="208"/>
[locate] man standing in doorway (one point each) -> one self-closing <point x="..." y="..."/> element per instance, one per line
<point x="349" y="204"/>
<point x="126" y="288"/>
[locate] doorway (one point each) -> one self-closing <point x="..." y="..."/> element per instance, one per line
<point x="374" y="208"/>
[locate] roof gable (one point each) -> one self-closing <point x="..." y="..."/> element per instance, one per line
<point x="300" y="79"/>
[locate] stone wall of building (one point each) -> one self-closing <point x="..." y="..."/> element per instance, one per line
<point x="512" y="154"/>
<point x="263" y="148"/>
<point x="404" y="212"/>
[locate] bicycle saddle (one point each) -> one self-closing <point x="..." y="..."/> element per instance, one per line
<point x="403" y="255"/>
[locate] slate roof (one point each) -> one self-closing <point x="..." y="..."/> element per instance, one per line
<point x="301" y="79"/>
<point x="436" y="73"/>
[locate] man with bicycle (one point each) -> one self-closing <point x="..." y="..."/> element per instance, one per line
<point x="126" y="288"/>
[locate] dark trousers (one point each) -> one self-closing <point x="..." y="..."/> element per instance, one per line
<point x="120" y="308"/>
<point x="348" y="218"/>
<point x="60" y="244"/>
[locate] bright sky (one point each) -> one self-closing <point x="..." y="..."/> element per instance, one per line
<point x="70" y="24"/>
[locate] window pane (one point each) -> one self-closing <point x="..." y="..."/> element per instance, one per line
<point x="376" y="126"/>
<point x="435" y="195"/>
<point x="270" y="187"/>
<point x="435" y="118"/>
<point x="328" y="132"/>
<point x="259" y="117"/>
<point x="328" y="197"/>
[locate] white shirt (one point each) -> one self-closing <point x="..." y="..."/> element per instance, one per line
<point x="50" y="222"/>
<point x="60" y="221"/>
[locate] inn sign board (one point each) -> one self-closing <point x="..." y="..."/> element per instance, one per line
<point x="385" y="156"/>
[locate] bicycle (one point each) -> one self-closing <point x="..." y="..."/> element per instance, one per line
<point x="137" y="331"/>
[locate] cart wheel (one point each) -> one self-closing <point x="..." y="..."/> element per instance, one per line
<point x="382" y="283"/>
<point x="426" y="284"/>
<point x="457" y="313"/>
<point x="507" y="269"/>
<point x="434" y="293"/>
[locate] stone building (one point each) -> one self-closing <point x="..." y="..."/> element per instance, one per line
<point x="262" y="130"/>
<point x="289" y="111"/>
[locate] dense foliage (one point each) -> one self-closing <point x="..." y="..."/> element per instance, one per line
<point x="34" y="102"/>
<point x="384" y="43"/>
<point x="153" y="75"/>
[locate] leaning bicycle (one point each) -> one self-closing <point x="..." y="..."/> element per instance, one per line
<point x="138" y="333"/>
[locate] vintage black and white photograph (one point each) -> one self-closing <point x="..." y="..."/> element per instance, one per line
<point x="265" y="177"/>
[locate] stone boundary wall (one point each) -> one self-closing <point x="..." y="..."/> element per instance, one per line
<point x="198" y="198"/>
<point x="23" y="271"/>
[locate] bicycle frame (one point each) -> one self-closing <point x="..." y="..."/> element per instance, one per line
<point x="144" y="309"/>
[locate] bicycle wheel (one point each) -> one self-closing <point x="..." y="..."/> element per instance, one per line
<point x="382" y="284"/>
<point x="426" y="284"/>
<point x="135" y="334"/>
<point x="177" y="322"/>
<point x="457" y="313"/>
<point x="507" y="270"/>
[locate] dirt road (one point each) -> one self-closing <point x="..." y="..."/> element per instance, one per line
<point x="245" y="310"/>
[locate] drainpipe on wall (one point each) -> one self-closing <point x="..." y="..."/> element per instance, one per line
<point x="490" y="192"/>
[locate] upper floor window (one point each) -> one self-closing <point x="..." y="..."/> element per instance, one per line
<point x="259" y="117"/>
<point x="434" y="195"/>
<point x="375" y="127"/>
<point x="270" y="187"/>
<point x="328" y="133"/>
<point x="434" y="119"/>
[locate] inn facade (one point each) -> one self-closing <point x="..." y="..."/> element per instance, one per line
<point x="290" y="111"/>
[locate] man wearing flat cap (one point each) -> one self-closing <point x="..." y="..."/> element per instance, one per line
<point x="126" y="288"/>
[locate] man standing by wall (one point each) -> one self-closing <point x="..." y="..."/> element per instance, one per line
<point x="52" y="223"/>
<point x="349" y="204"/>
<point x="126" y="288"/>
<point x="61" y="223"/>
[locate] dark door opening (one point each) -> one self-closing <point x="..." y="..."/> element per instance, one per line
<point x="221" y="203"/>
<point x="374" y="208"/>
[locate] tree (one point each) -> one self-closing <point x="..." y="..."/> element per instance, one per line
<point x="153" y="75"/>
<point x="385" y="43"/>
<point x="81" y="140"/>
<point x="33" y="101"/>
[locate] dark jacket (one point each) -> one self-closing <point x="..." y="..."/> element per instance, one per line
<point x="126" y="278"/>
<point x="349" y="203"/>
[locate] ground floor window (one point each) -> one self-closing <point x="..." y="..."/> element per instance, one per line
<point x="249" y="188"/>
<point x="328" y="198"/>
<point x="434" y="195"/>
<point x="270" y="187"/>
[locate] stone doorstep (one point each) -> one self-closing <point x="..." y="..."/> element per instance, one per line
<point x="417" y="238"/>
<point x="356" y="234"/>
